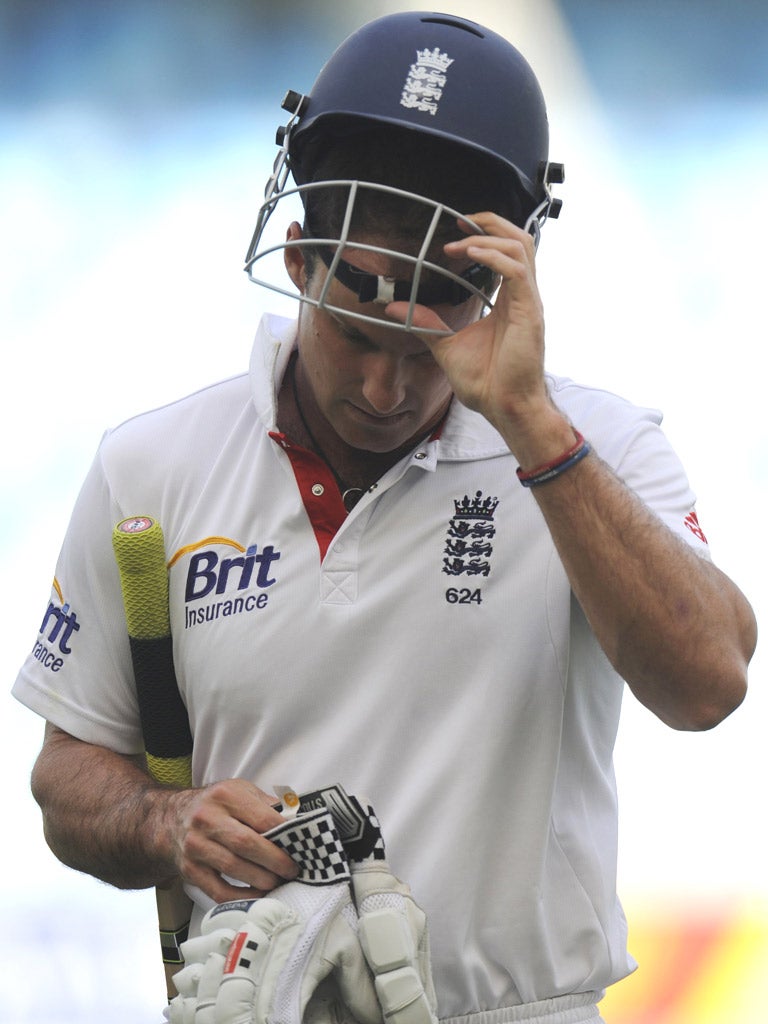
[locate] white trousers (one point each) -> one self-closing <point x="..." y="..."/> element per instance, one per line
<point x="576" y="1009"/>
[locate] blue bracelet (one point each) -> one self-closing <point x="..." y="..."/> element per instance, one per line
<point x="540" y="476"/>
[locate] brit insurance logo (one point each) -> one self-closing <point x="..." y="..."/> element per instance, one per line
<point x="220" y="585"/>
<point x="426" y="80"/>
<point x="468" y="546"/>
<point x="57" y="632"/>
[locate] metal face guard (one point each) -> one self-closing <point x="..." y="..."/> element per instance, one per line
<point x="443" y="285"/>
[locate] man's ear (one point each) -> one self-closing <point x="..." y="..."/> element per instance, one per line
<point x="293" y="255"/>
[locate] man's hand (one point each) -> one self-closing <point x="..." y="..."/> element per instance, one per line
<point x="495" y="365"/>
<point x="219" y="841"/>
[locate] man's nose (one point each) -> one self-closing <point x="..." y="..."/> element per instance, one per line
<point x="383" y="383"/>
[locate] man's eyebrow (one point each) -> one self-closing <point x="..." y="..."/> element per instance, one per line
<point x="355" y="334"/>
<point x="349" y="328"/>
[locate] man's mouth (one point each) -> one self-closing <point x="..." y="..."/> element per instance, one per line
<point x="380" y="419"/>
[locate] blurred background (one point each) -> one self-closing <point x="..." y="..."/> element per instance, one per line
<point x="135" y="141"/>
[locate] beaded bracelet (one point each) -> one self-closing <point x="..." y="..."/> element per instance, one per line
<point x="540" y="475"/>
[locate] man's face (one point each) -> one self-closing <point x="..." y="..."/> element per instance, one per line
<point x="377" y="386"/>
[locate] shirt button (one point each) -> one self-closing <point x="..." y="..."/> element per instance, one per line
<point x="317" y="490"/>
<point x="420" y="455"/>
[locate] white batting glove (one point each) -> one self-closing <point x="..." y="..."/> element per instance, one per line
<point x="204" y="958"/>
<point x="264" y="965"/>
<point x="392" y="929"/>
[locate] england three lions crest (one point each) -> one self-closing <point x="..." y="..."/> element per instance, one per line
<point x="468" y="547"/>
<point x="426" y="80"/>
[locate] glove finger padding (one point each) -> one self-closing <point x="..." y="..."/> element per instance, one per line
<point x="393" y="934"/>
<point x="204" y="956"/>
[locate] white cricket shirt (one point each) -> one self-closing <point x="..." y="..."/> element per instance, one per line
<point x="434" y="660"/>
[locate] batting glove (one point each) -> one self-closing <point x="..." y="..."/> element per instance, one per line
<point x="392" y="929"/>
<point x="263" y="960"/>
<point x="204" y="957"/>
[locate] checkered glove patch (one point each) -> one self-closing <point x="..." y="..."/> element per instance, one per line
<point x="313" y="842"/>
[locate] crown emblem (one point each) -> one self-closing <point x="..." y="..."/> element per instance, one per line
<point x="468" y="547"/>
<point x="433" y="59"/>
<point x="423" y="88"/>
<point x="475" y="508"/>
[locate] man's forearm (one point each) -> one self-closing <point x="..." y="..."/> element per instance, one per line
<point x="677" y="629"/>
<point x="102" y="813"/>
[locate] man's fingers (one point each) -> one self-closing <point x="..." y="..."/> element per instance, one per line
<point x="502" y="241"/>
<point x="499" y="253"/>
<point x="239" y="854"/>
<point x="252" y="848"/>
<point x="244" y="802"/>
<point x="423" y="318"/>
<point x="221" y="838"/>
<point x="221" y="891"/>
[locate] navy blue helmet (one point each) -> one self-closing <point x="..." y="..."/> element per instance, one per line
<point x="419" y="75"/>
<point x="435" y="74"/>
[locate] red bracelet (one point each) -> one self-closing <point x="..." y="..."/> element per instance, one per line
<point x="549" y="470"/>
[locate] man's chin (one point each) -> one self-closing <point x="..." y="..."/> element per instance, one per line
<point x="378" y="435"/>
<point x="376" y="445"/>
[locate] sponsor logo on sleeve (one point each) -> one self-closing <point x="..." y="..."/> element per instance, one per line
<point x="57" y="632"/>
